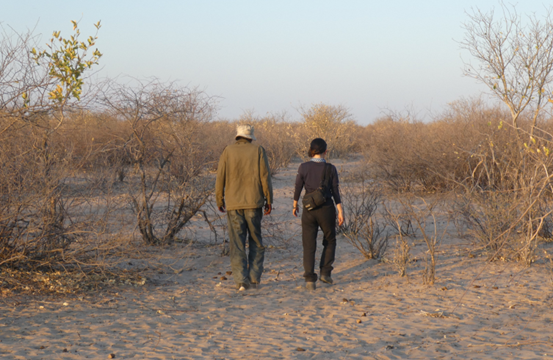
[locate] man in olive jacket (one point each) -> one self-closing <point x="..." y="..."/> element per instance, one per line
<point x="242" y="188"/>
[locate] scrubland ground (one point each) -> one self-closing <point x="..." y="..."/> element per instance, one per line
<point x="187" y="310"/>
<point x="87" y="178"/>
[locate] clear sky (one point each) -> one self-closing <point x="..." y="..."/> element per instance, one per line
<point x="271" y="56"/>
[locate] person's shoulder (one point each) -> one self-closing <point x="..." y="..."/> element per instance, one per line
<point x="334" y="169"/>
<point x="229" y="147"/>
<point x="260" y="149"/>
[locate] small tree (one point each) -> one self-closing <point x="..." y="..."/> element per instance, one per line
<point x="515" y="61"/>
<point x="33" y="100"/>
<point x="331" y="123"/>
<point x="514" y="58"/>
<point x="168" y="155"/>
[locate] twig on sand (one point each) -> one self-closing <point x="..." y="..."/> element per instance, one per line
<point x="441" y="314"/>
<point x="517" y="344"/>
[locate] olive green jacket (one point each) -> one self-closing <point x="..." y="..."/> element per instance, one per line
<point x="243" y="177"/>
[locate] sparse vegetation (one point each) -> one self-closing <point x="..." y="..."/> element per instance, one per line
<point x="362" y="229"/>
<point x="75" y="156"/>
<point x="401" y="255"/>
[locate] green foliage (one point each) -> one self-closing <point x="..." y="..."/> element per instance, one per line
<point x="68" y="59"/>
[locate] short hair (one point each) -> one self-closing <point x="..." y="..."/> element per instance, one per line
<point x="318" y="146"/>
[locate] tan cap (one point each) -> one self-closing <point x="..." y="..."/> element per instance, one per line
<point x="245" y="131"/>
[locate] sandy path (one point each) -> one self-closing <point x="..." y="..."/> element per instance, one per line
<point x="475" y="310"/>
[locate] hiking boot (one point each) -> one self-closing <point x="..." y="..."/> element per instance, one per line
<point x="326" y="279"/>
<point x="243" y="286"/>
<point x="310" y="285"/>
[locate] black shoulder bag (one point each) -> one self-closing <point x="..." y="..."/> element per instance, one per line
<point x="317" y="198"/>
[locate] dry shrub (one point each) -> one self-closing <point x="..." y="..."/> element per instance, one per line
<point x="334" y="124"/>
<point x="489" y="216"/>
<point x="361" y="200"/>
<point x="275" y="133"/>
<point x="52" y="214"/>
<point x="217" y="134"/>
<point x="49" y="207"/>
<point x="506" y="197"/>
<point x="423" y="214"/>
<point x="400" y="222"/>
<point x="36" y="164"/>
<point x="393" y="153"/>
<point x="98" y="141"/>
<point x="502" y="171"/>
<point x="410" y="155"/>
<point x="513" y="212"/>
<point x="169" y="182"/>
<point x="401" y="254"/>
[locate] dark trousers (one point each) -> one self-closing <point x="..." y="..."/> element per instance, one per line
<point x="325" y="218"/>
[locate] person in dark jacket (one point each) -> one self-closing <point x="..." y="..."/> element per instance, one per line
<point x="309" y="176"/>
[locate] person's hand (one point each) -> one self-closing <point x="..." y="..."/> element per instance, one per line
<point x="268" y="208"/>
<point x="222" y="209"/>
<point x="295" y="211"/>
<point x="340" y="218"/>
<point x="340" y="214"/>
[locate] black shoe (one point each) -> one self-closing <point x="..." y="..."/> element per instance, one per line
<point x="243" y="286"/>
<point x="326" y="279"/>
<point x="310" y="285"/>
<point x="254" y="285"/>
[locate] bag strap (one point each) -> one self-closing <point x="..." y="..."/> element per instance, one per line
<point x="326" y="177"/>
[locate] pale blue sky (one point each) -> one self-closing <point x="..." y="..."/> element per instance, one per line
<point x="273" y="56"/>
